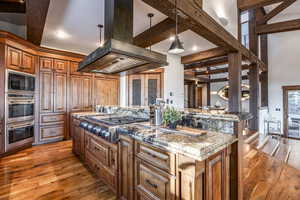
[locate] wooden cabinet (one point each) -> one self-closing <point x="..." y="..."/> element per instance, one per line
<point x="60" y="92"/>
<point x="79" y="142"/>
<point x="74" y="67"/>
<point x="46" y="64"/>
<point x="46" y="92"/>
<point x="106" y="91"/>
<point x="153" y="182"/>
<point x="20" y="60"/>
<point x="81" y="88"/>
<point x="53" y="89"/>
<point x="52" y="133"/>
<point x="126" y="168"/>
<point x="143" y="89"/>
<point x="60" y="66"/>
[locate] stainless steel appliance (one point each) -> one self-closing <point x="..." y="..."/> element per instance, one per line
<point x="118" y="53"/>
<point x="19" y="82"/>
<point x="19" y="135"/>
<point x="19" y="110"/>
<point x="156" y="112"/>
<point x="20" y="107"/>
<point x="105" y="126"/>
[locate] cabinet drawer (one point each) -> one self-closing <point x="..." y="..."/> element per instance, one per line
<point x="153" y="182"/>
<point x="101" y="171"/>
<point x="159" y="158"/>
<point x="52" y="132"/>
<point x="45" y="119"/>
<point x="98" y="149"/>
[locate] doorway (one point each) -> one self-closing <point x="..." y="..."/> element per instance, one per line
<point x="291" y="112"/>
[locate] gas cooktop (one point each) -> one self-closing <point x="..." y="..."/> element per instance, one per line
<point x="115" y="120"/>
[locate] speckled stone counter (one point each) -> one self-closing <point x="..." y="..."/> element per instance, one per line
<point x="197" y="144"/>
<point x="194" y="143"/>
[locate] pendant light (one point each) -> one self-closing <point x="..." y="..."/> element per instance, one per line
<point x="150" y="15"/>
<point x="100" y="26"/>
<point x="176" y="46"/>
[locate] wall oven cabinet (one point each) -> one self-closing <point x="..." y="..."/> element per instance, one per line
<point x="19" y="135"/>
<point x="20" y="108"/>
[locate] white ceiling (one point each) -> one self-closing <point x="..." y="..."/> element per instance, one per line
<point x="78" y="19"/>
<point x="290" y="13"/>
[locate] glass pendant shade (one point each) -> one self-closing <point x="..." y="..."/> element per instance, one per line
<point x="176" y="46"/>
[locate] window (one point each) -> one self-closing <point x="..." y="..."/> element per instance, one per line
<point x="245" y="28"/>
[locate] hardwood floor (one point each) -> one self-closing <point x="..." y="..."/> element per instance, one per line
<point x="52" y="172"/>
<point x="48" y="172"/>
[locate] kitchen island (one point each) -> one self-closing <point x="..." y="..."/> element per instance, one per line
<point x="147" y="162"/>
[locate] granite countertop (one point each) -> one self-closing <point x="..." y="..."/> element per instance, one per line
<point x="194" y="143"/>
<point x="218" y="114"/>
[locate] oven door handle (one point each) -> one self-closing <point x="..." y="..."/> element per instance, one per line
<point x="20" y="126"/>
<point x="20" y="102"/>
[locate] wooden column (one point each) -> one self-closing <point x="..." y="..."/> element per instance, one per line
<point x="264" y="75"/>
<point x="254" y="96"/>
<point x="234" y="76"/>
<point x="235" y="105"/>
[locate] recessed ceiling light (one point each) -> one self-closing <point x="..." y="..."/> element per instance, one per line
<point x="172" y="38"/>
<point x="195" y="48"/>
<point x="62" y="34"/>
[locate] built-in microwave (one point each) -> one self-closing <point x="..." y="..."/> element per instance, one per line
<point x="19" y="135"/>
<point x="20" y="107"/>
<point x="20" y="82"/>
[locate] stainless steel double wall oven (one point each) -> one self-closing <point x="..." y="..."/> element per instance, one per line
<point x="20" y="104"/>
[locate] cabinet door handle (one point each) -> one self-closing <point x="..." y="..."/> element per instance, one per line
<point x="151" y="184"/>
<point x="154" y="156"/>
<point x="96" y="148"/>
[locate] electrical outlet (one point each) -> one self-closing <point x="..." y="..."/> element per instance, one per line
<point x="278" y="109"/>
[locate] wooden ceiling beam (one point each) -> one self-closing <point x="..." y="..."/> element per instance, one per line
<point x="208" y="63"/>
<point x="204" y="25"/>
<point x="36" y="11"/>
<point x="159" y="32"/>
<point x="203" y="55"/>
<point x="217" y="80"/>
<point x="249" y="4"/>
<point x="12" y="7"/>
<point x="219" y="71"/>
<point x="278" y="27"/>
<point x="275" y="11"/>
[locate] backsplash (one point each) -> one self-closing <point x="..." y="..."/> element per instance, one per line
<point x="124" y="111"/>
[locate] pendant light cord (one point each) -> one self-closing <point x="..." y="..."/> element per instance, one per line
<point x="176" y="19"/>
<point x="150" y="15"/>
<point x="100" y="26"/>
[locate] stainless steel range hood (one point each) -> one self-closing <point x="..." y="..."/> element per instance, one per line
<point x="118" y="54"/>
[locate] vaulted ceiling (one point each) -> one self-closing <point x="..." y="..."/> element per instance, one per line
<point x="76" y="23"/>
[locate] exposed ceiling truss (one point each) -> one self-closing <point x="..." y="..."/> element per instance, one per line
<point x="36" y="13"/>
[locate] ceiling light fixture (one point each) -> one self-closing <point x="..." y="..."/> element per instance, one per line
<point x="150" y="15"/>
<point x="100" y="26"/>
<point x="195" y="48"/>
<point x="62" y="35"/>
<point x="176" y="46"/>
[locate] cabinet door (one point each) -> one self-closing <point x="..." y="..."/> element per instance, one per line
<point x="136" y="90"/>
<point x="46" y="92"/>
<point x="73" y="68"/>
<point x="28" y="63"/>
<point x="152" y="88"/>
<point x="87" y="101"/>
<point x="126" y="169"/>
<point x="106" y="91"/>
<point x="14" y="58"/>
<point x="46" y="64"/>
<point x="60" y="66"/>
<point x="215" y="177"/>
<point x="113" y="98"/>
<point x="60" y="92"/>
<point x="75" y="94"/>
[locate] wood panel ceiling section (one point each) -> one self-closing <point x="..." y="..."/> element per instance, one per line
<point x="204" y="25"/>
<point x="12" y="6"/>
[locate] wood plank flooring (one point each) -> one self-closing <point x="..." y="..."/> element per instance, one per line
<point x="50" y="172"/>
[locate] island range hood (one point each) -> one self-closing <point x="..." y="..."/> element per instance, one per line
<point x="118" y="54"/>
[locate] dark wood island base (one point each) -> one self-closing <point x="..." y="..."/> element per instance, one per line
<point x="138" y="170"/>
